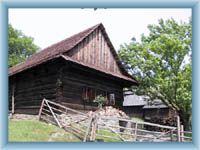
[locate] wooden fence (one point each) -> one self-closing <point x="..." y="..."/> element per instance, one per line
<point x="102" y="128"/>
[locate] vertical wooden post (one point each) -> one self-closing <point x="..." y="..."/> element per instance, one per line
<point x="88" y="130"/>
<point x="178" y="129"/>
<point x="95" y="93"/>
<point x="93" y="129"/>
<point x="136" y="125"/>
<point x="13" y="99"/>
<point x="182" y="133"/>
<point x="171" y="135"/>
<point x="40" y="111"/>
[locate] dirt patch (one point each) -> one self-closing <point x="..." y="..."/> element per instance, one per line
<point x="108" y="111"/>
<point x="55" y="135"/>
<point x="104" y="112"/>
<point x="23" y="117"/>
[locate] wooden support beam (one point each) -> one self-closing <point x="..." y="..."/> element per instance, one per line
<point x="182" y="133"/>
<point x="13" y="99"/>
<point x="40" y="111"/>
<point x="135" y="133"/>
<point x="88" y="130"/>
<point x="93" y="129"/>
<point x="178" y="129"/>
<point x="171" y="135"/>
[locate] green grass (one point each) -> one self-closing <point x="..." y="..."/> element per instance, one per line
<point x="36" y="131"/>
<point x="112" y="136"/>
<point x="108" y="133"/>
<point x="188" y="134"/>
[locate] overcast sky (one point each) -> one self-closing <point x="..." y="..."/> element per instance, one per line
<point x="48" y="26"/>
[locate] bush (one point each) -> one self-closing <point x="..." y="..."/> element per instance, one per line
<point x="101" y="100"/>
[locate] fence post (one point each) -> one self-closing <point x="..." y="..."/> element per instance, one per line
<point x="171" y="135"/>
<point x="13" y="99"/>
<point x="136" y="124"/>
<point x="182" y="133"/>
<point x="178" y="129"/>
<point x="93" y="129"/>
<point x="40" y="111"/>
<point x="88" y="129"/>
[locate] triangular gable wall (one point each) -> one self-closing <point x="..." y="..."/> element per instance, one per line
<point x="95" y="50"/>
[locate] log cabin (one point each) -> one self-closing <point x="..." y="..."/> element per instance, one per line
<point x="133" y="104"/>
<point x="156" y="109"/>
<point x="141" y="107"/>
<point x="72" y="72"/>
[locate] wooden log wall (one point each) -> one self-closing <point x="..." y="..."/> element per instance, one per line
<point x="41" y="82"/>
<point x="94" y="50"/>
<point x="156" y="112"/>
<point x="74" y="80"/>
<point x="134" y="111"/>
<point x="10" y="94"/>
<point x="33" y="85"/>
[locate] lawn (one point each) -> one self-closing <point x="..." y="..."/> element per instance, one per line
<point x="36" y="131"/>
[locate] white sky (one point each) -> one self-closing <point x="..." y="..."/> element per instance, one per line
<point x="48" y="26"/>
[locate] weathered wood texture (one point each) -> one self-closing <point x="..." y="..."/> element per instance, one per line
<point x="134" y="111"/>
<point x="62" y="82"/>
<point x="157" y="113"/>
<point x="74" y="80"/>
<point x="92" y="62"/>
<point x="95" y="50"/>
<point x="178" y="129"/>
<point x="33" y="85"/>
<point x="87" y="127"/>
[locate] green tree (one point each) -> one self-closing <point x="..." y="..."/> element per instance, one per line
<point x="20" y="46"/>
<point x="162" y="64"/>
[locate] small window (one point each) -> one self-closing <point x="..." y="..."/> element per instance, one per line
<point x="88" y="94"/>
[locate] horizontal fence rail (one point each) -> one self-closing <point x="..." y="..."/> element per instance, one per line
<point x="106" y="128"/>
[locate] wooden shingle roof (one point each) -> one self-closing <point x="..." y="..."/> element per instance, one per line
<point x="57" y="50"/>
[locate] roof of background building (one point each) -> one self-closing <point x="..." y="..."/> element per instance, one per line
<point x="131" y="99"/>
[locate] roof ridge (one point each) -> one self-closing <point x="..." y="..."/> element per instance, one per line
<point x="95" y="26"/>
<point x="59" y="48"/>
<point x="91" y="30"/>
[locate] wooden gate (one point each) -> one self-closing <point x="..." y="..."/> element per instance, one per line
<point x="101" y="128"/>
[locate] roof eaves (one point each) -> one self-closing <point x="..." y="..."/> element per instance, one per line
<point x="98" y="69"/>
<point x="12" y="70"/>
<point x="116" y="56"/>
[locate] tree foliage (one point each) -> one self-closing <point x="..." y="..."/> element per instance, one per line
<point x="20" y="46"/>
<point x="162" y="64"/>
